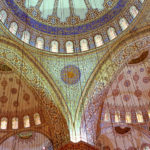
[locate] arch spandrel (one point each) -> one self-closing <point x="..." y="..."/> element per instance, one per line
<point x="32" y="72"/>
<point x="113" y="61"/>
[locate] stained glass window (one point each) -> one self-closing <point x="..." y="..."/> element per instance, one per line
<point x="133" y="11"/>
<point x="84" y="45"/>
<point x="25" y="37"/>
<point x="123" y="23"/>
<point x="69" y="47"/>
<point x="139" y="116"/>
<point x="15" y="123"/>
<point x="26" y="121"/>
<point x="40" y="43"/>
<point x="146" y="148"/>
<point x="128" y="117"/>
<point x="4" y="121"/>
<point x="117" y="116"/>
<point x="142" y="1"/>
<point x="37" y="119"/>
<point x="107" y="116"/>
<point x="98" y="40"/>
<point x="13" y="28"/>
<point x="111" y="33"/>
<point x="149" y="113"/>
<point x="3" y="16"/>
<point x="54" y="46"/>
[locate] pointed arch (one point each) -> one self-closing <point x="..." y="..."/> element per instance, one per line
<point x="55" y="110"/>
<point x="33" y="73"/>
<point x="104" y="74"/>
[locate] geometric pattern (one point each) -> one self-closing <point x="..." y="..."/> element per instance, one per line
<point x="70" y="74"/>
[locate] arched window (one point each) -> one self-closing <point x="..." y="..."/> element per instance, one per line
<point x="37" y="119"/>
<point x="98" y="40"/>
<point x="40" y="43"/>
<point x="128" y="117"/>
<point x="26" y="121"/>
<point x="25" y="36"/>
<point x="149" y="113"/>
<point x="111" y="33"/>
<point x="139" y="116"/>
<point x="133" y="11"/>
<point x="3" y="16"/>
<point x="84" y="45"/>
<point x="4" y="121"/>
<point x="117" y="116"/>
<point x="69" y="47"/>
<point x="54" y="46"/>
<point x="14" y="123"/>
<point x="107" y="116"/>
<point x="142" y="1"/>
<point x="146" y="148"/>
<point x="123" y="23"/>
<point x="13" y="28"/>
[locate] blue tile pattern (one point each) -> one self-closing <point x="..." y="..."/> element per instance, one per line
<point x="67" y="30"/>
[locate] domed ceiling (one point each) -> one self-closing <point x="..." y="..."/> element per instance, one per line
<point x="45" y="15"/>
<point x="73" y="25"/>
<point x="65" y="11"/>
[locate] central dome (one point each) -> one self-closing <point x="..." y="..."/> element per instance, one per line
<point x="66" y="17"/>
<point x="64" y="8"/>
<point x="68" y="26"/>
<point x="70" y="12"/>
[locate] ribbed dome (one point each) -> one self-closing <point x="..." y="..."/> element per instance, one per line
<point x="64" y="8"/>
<point x="60" y="12"/>
<point x="38" y="22"/>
